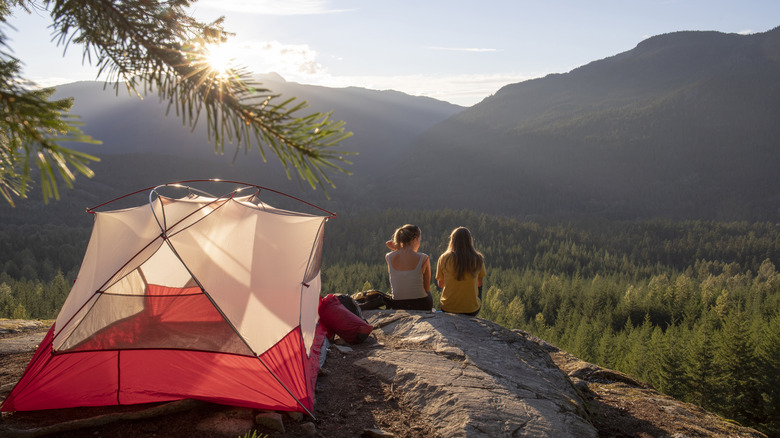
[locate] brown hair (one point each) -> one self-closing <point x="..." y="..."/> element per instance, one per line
<point x="405" y="235"/>
<point x="461" y="251"/>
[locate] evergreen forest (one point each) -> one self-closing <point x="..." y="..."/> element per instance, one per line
<point x="691" y="307"/>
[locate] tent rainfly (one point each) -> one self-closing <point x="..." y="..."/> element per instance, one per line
<point x="202" y="297"/>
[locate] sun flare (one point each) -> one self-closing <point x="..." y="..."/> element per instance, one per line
<point x="220" y="59"/>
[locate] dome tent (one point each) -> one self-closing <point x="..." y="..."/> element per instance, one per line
<point x="205" y="297"/>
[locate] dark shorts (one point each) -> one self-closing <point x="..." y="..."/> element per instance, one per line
<point x="415" y="304"/>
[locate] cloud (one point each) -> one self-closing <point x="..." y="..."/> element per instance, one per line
<point x="460" y="89"/>
<point x="273" y="7"/>
<point x="465" y="49"/>
<point x="746" y="32"/>
<point x="300" y="63"/>
<point x="53" y="81"/>
<point x="295" y="62"/>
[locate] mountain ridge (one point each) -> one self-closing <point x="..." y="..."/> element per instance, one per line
<point x="681" y="126"/>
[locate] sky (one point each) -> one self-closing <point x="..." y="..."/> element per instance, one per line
<point x="452" y="50"/>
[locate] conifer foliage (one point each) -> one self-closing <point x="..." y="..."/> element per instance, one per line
<point x="149" y="47"/>
<point x="693" y="308"/>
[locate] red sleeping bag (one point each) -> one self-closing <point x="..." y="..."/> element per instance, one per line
<point x="339" y="320"/>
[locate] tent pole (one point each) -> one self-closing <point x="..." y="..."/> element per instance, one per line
<point x="232" y="327"/>
<point x="286" y="389"/>
<point x="226" y="319"/>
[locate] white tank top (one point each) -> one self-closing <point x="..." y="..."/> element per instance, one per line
<point x="406" y="285"/>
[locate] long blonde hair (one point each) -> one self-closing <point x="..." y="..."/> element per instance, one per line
<point x="465" y="258"/>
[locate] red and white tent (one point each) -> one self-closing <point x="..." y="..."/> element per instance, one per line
<point x="202" y="297"/>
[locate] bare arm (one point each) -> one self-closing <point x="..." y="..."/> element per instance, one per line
<point x="439" y="278"/>
<point x="426" y="273"/>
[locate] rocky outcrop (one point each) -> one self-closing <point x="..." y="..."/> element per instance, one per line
<point x="418" y="375"/>
<point x="473" y="378"/>
<point x="470" y="377"/>
<point x="620" y="405"/>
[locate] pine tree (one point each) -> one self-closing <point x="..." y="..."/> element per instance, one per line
<point x="768" y="354"/>
<point x="698" y="366"/>
<point x="585" y="341"/>
<point x="7" y="304"/>
<point x="607" y="348"/>
<point x="149" y="46"/>
<point x="736" y="374"/>
<point x="515" y="314"/>
<point x="19" y="312"/>
<point x="639" y="343"/>
<point x="54" y="294"/>
<point x="540" y="325"/>
<point x="666" y="360"/>
<point x="492" y="307"/>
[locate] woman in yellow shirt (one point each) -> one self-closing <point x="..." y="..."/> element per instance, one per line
<point x="459" y="273"/>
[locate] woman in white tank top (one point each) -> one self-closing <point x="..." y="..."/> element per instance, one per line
<point x="410" y="271"/>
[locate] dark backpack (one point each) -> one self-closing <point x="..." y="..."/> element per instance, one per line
<point x="371" y="299"/>
<point x="351" y="305"/>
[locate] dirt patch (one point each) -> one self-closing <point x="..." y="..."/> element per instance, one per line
<point x="350" y="400"/>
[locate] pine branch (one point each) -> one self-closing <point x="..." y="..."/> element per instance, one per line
<point x="155" y="47"/>
<point x="31" y="128"/>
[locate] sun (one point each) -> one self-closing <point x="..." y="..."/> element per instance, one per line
<point x="220" y="58"/>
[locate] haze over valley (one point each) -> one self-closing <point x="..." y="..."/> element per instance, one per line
<point x="683" y="126"/>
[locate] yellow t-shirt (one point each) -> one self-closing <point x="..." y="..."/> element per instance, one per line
<point x="458" y="296"/>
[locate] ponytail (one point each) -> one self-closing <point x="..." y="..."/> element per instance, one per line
<point x="405" y="235"/>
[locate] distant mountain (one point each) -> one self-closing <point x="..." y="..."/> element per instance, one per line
<point x="143" y="147"/>
<point x="384" y="123"/>
<point x="684" y="125"/>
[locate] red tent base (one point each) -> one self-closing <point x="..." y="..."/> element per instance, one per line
<point x="123" y="377"/>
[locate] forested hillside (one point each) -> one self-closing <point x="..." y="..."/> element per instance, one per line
<point x="682" y="126"/>
<point x="691" y="307"/>
<point x="142" y="147"/>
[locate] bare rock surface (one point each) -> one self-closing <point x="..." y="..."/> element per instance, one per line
<point x="474" y="378"/>
<point x="422" y="368"/>
<point x="21" y="336"/>
<point x="623" y="406"/>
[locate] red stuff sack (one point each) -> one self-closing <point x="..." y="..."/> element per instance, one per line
<point x="339" y="320"/>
